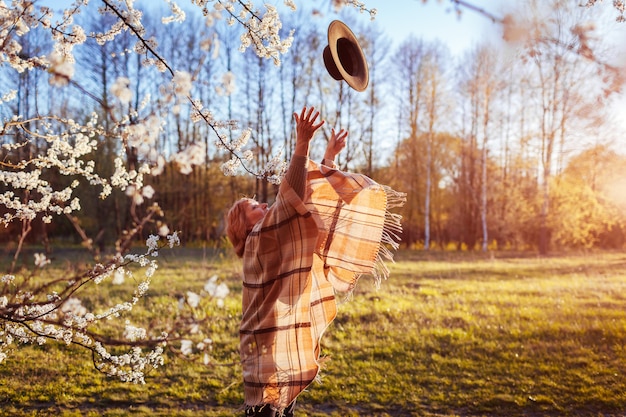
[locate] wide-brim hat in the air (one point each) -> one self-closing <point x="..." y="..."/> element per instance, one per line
<point x="344" y="58"/>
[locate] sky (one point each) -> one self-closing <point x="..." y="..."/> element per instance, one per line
<point x="435" y="19"/>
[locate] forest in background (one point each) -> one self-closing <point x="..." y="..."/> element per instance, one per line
<point x="509" y="146"/>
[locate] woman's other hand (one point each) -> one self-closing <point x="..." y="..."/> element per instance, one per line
<point x="336" y="143"/>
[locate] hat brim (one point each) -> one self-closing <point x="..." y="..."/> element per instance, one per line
<point x="348" y="55"/>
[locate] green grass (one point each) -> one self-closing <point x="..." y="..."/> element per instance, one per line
<point x="448" y="334"/>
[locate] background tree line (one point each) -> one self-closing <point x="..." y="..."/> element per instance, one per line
<point x="509" y="146"/>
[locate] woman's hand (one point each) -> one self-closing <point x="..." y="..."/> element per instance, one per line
<point x="336" y="143"/>
<point x="305" y="129"/>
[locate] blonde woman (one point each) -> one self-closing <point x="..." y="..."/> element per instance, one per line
<point x="324" y="231"/>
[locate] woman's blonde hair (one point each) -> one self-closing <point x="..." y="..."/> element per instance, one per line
<point x="236" y="225"/>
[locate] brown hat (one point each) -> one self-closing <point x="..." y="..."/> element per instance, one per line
<point x="344" y="58"/>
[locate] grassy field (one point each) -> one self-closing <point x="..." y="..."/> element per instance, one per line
<point x="446" y="335"/>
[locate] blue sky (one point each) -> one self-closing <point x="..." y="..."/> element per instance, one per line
<point x="436" y="20"/>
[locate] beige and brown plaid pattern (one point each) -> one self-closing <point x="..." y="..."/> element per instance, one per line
<point x="294" y="261"/>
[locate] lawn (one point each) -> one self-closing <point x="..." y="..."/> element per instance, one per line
<point x="449" y="334"/>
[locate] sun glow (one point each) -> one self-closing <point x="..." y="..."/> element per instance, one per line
<point x="615" y="190"/>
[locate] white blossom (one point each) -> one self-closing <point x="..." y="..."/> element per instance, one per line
<point x="178" y="15"/>
<point x="186" y="347"/>
<point x="152" y="243"/>
<point x="173" y="240"/>
<point x="9" y="96"/>
<point x="135" y="194"/>
<point x="163" y="230"/>
<point x="7" y="278"/>
<point x="182" y="83"/>
<point x="194" y="154"/>
<point x="221" y="291"/>
<point x="133" y="333"/>
<point x="41" y="260"/>
<point x="119" y="276"/>
<point x="147" y="191"/>
<point x="61" y="69"/>
<point x="215" y="290"/>
<point x="120" y="90"/>
<point x="74" y="306"/>
<point x="291" y="5"/>
<point x="159" y="167"/>
<point x="231" y="167"/>
<point x="227" y="87"/>
<point x="193" y="299"/>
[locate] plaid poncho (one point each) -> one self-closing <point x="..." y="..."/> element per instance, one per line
<point x="294" y="261"/>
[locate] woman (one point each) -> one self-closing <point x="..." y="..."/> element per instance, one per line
<point x="325" y="229"/>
